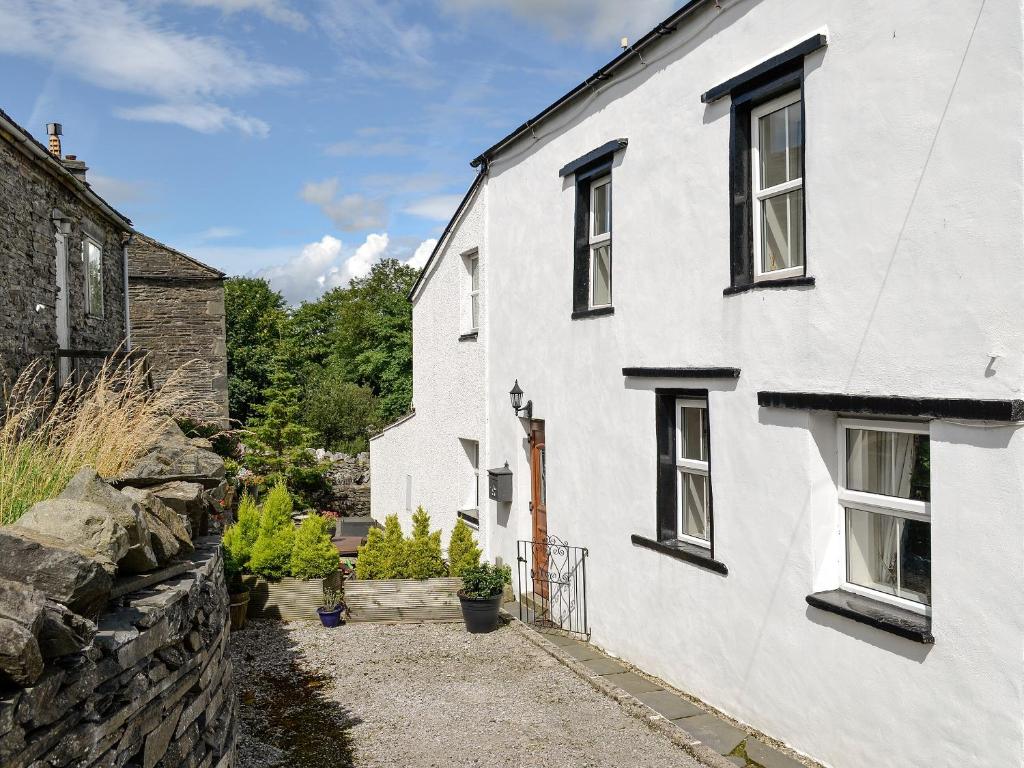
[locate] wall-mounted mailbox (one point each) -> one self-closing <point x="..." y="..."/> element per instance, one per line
<point x="499" y="483"/>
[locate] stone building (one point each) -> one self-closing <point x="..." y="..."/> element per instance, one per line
<point x="62" y="257"/>
<point x="177" y="315"/>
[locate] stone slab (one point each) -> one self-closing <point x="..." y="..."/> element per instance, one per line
<point x="604" y="666"/>
<point x="633" y="683"/>
<point x="583" y="651"/>
<point x="769" y="757"/>
<point x="670" y="705"/>
<point x="712" y="731"/>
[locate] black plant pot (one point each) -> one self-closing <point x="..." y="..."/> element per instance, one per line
<point x="480" y="614"/>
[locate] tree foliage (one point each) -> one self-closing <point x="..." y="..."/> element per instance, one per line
<point x="255" y="318"/>
<point x="313" y="554"/>
<point x="272" y="552"/>
<point x="463" y="552"/>
<point x="423" y="558"/>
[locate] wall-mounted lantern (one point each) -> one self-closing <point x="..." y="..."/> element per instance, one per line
<point x="516" y="395"/>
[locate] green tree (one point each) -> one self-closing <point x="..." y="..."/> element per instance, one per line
<point x="341" y="413"/>
<point x="240" y="537"/>
<point x="463" y="551"/>
<point x="393" y="565"/>
<point x="370" y="556"/>
<point x="309" y="336"/>
<point x="313" y="554"/>
<point x="272" y="552"/>
<point x="374" y="335"/>
<point x="255" y="316"/>
<point x="423" y="550"/>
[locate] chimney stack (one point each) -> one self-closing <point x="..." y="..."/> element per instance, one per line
<point x="55" y="130"/>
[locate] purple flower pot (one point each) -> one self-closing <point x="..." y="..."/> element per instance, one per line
<point x="331" y="618"/>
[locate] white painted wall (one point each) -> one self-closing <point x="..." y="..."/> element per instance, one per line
<point x="914" y="207"/>
<point x="448" y="393"/>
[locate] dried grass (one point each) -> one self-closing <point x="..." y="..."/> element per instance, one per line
<point x="106" y="423"/>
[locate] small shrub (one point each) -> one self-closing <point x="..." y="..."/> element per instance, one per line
<point x="239" y="540"/>
<point x="423" y="558"/>
<point x="272" y="552"/>
<point x="313" y="554"/>
<point x="331" y="597"/>
<point x="393" y="559"/>
<point x="485" y="580"/>
<point x="370" y="557"/>
<point x="463" y="552"/>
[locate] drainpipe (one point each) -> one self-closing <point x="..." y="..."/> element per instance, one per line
<point x="127" y="314"/>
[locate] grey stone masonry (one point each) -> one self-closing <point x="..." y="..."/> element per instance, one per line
<point x="38" y="200"/>
<point x="177" y="315"/>
<point x="152" y="690"/>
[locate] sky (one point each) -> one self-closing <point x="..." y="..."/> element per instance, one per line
<point x="296" y="140"/>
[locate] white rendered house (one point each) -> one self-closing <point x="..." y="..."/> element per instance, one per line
<point x="760" y="280"/>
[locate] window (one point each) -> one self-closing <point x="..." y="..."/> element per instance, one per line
<point x="600" y="242"/>
<point x="470" y="511"/>
<point x="777" y="170"/>
<point x="885" y="495"/>
<point x="92" y="258"/>
<point x="684" y="469"/>
<point x="474" y="292"/>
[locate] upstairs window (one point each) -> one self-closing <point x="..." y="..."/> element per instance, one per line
<point x="92" y="259"/>
<point x="600" y="242"/>
<point x="885" y="493"/>
<point x="474" y="292"/>
<point x="777" y="171"/>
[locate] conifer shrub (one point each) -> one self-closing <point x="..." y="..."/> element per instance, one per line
<point x="313" y="554"/>
<point x="272" y="552"/>
<point x="240" y="538"/>
<point x="463" y="551"/>
<point x="393" y="559"/>
<point x="370" y="557"/>
<point x="423" y="558"/>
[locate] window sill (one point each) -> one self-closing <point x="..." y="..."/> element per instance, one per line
<point x="682" y="550"/>
<point x="580" y="314"/>
<point x="471" y="336"/>
<point x="875" y="613"/>
<point x="805" y="281"/>
<point x="471" y="517"/>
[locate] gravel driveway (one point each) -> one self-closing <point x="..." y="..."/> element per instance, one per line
<point x="375" y="695"/>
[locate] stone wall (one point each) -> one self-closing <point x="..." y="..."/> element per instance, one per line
<point x="153" y="690"/>
<point x="32" y="192"/>
<point x="177" y="315"/>
<point x="349" y="481"/>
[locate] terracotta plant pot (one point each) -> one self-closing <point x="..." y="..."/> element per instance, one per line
<point x="480" y="614"/>
<point x="239" y="608"/>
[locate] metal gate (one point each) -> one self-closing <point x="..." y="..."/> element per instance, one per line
<point x="552" y="581"/>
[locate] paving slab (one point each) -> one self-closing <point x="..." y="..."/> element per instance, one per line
<point x="560" y="639"/>
<point x="770" y="757"/>
<point x="582" y="651"/>
<point x="670" y="705"/>
<point x="632" y="683"/>
<point x="712" y="731"/>
<point x="604" y="666"/>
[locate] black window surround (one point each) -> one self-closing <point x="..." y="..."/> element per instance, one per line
<point x="682" y="550"/>
<point x="667" y="479"/>
<point x="586" y="169"/>
<point x="471" y="336"/>
<point x="875" y="613"/>
<point x="775" y="77"/>
<point x="681" y="373"/>
<point x="920" y="407"/>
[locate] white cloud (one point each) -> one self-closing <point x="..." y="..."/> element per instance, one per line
<point x="272" y="10"/>
<point x="204" y="118"/>
<point x="600" y="21"/>
<point x="321" y="266"/>
<point x="348" y="212"/>
<point x="423" y="251"/>
<point x="125" y="48"/>
<point x="437" y="207"/>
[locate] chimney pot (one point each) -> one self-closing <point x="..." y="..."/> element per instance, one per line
<point x="54" y="130"/>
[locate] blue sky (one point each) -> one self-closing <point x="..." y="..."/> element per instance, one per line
<point x="300" y="140"/>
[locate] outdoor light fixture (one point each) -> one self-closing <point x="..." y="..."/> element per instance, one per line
<point x="516" y="395"/>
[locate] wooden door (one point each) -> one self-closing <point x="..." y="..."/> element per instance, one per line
<point x="539" y="508"/>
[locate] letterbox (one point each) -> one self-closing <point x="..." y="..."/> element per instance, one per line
<point x="499" y="483"/>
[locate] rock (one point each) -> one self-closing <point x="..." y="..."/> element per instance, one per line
<point x="88" y="486"/>
<point x="21" y="617"/>
<point x="165" y="545"/>
<point x="83" y="522"/>
<point x="174" y="455"/>
<point x="63" y="632"/>
<point x="178" y="524"/>
<point x="185" y="499"/>
<point x="66" y="573"/>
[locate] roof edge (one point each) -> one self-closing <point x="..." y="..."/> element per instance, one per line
<point x="214" y="272"/>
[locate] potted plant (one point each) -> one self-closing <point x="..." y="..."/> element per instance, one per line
<point x="330" y="611"/>
<point x="236" y="547"/>
<point x="480" y="596"/>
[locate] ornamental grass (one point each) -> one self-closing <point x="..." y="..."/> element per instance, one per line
<point x="108" y="422"/>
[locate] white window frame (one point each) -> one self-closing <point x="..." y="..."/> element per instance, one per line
<point x="472" y="502"/>
<point x="760" y="195"/>
<point x="90" y="310"/>
<point x="473" y="263"/>
<point x="909" y="509"/>
<point x="593" y="241"/>
<point x="693" y="467"/>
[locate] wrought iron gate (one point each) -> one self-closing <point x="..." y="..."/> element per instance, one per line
<point x="552" y="581"/>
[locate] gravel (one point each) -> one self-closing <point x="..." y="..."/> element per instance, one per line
<point x="425" y="695"/>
